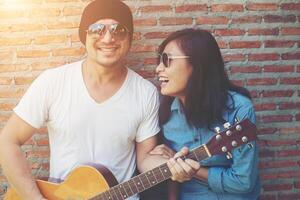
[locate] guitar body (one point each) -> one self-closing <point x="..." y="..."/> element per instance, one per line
<point x="98" y="182"/>
<point x="81" y="184"/>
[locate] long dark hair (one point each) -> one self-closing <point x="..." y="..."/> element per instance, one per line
<point x="208" y="87"/>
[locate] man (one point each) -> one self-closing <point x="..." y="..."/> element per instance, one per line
<point x="96" y="110"/>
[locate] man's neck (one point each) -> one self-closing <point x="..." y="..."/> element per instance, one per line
<point x="101" y="75"/>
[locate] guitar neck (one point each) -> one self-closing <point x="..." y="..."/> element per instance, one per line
<point x="146" y="180"/>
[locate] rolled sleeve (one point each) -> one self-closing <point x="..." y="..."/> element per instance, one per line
<point x="215" y="179"/>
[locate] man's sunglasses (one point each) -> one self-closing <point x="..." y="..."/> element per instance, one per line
<point x="166" y="58"/>
<point x="117" y="31"/>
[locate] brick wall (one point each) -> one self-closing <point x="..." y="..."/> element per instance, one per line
<point x="259" y="41"/>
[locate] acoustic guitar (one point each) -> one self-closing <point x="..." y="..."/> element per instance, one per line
<point x="98" y="183"/>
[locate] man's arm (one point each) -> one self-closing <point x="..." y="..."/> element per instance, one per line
<point x="145" y="161"/>
<point x="13" y="162"/>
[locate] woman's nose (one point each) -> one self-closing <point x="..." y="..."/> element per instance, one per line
<point x="160" y="67"/>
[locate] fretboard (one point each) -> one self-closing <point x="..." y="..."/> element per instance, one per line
<point x="146" y="180"/>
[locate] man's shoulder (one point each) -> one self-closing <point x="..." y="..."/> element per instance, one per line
<point x="141" y="82"/>
<point x="66" y="68"/>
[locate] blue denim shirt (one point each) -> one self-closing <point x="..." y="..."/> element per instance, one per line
<point x="233" y="179"/>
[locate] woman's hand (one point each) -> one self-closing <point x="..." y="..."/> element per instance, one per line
<point x="163" y="150"/>
<point x="182" y="170"/>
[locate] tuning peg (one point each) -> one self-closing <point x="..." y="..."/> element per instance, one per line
<point x="228" y="133"/>
<point x="227" y="125"/>
<point x="238" y="127"/>
<point x="229" y="155"/>
<point x="234" y="143"/>
<point x="218" y="137"/>
<point x="224" y="149"/>
<point x="236" y="120"/>
<point x="217" y="129"/>
<point x="250" y="146"/>
<point x="244" y="139"/>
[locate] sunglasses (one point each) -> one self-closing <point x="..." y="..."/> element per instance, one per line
<point x="166" y="59"/>
<point x="117" y="31"/>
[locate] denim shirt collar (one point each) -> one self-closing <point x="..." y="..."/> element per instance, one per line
<point x="176" y="105"/>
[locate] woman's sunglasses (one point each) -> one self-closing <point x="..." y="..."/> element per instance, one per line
<point x="166" y="58"/>
<point x="117" y="31"/>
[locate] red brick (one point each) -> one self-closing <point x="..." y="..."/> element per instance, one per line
<point x="278" y="68"/>
<point x="244" y="44"/>
<point x="72" y="11"/>
<point x="297" y="116"/>
<point x="175" y="21"/>
<point x="145" y="22"/>
<point x="238" y="82"/>
<point x="212" y="20"/>
<point x="143" y="48"/>
<point x="288" y="153"/>
<point x="44" y="12"/>
<point x="234" y="57"/>
<point x="289" y="105"/>
<point x="156" y="35"/>
<point x="191" y="7"/>
<point x="265" y="106"/>
<point x="264" y="196"/>
<point x="247" y="20"/>
<point x="279" y="43"/>
<point x="6" y="80"/>
<point x="162" y="8"/>
<point x="290" y="130"/>
<point x="11" y="93"/>
<point x="291" y="56"/>
<point x="290" y="31"/>
<point x="289" y="196"/>
<point x="27" y="27"/>
<point x="46" y="65"/>
<point x="263" y="57"/>
<point x="256" y="31"/>
<point x="247" y="69"/>
<point x="279" y="18"/>
<point x="33" y="53"/>
<point x="278" y="164"/>
<point x="264" y="131"/>
<point x="227" y="8"/>
<point x="282" y="143"/>
<point x="262" y="6"/>
<point x="277" y="187"/>
<point x="222" y="44"/>
<point x="290" y="6"/>
<point x="276" y="118"/>
<point x="278" y="93"/>
<point x="47" y="39"/>
<point x="262" y="81"/>
<point x="254" y="94"/>
<point x="7" y="106"/>
<point x="63" y="25"/>
<point x="23" y="80"/>
<point x="229" y="32"/>
<point x="13" y="68"/>
<point x="297" y="184"/>
<point x="147" y="73"/>
<point x="69" y="52"/>
<point x="290" y="80"/>
<point x="150" y="61"/>
<point x="4" y="41"/>
<point x="266" y="153"/>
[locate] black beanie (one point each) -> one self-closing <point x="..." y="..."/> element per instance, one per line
<point x="105" y="9"/>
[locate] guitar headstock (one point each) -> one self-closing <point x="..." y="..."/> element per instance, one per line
<point x="232" y="137"/>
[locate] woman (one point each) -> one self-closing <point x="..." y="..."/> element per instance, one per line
<point x="198" y="96"/>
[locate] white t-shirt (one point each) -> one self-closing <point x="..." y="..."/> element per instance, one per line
<point x="82" y="130"/>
